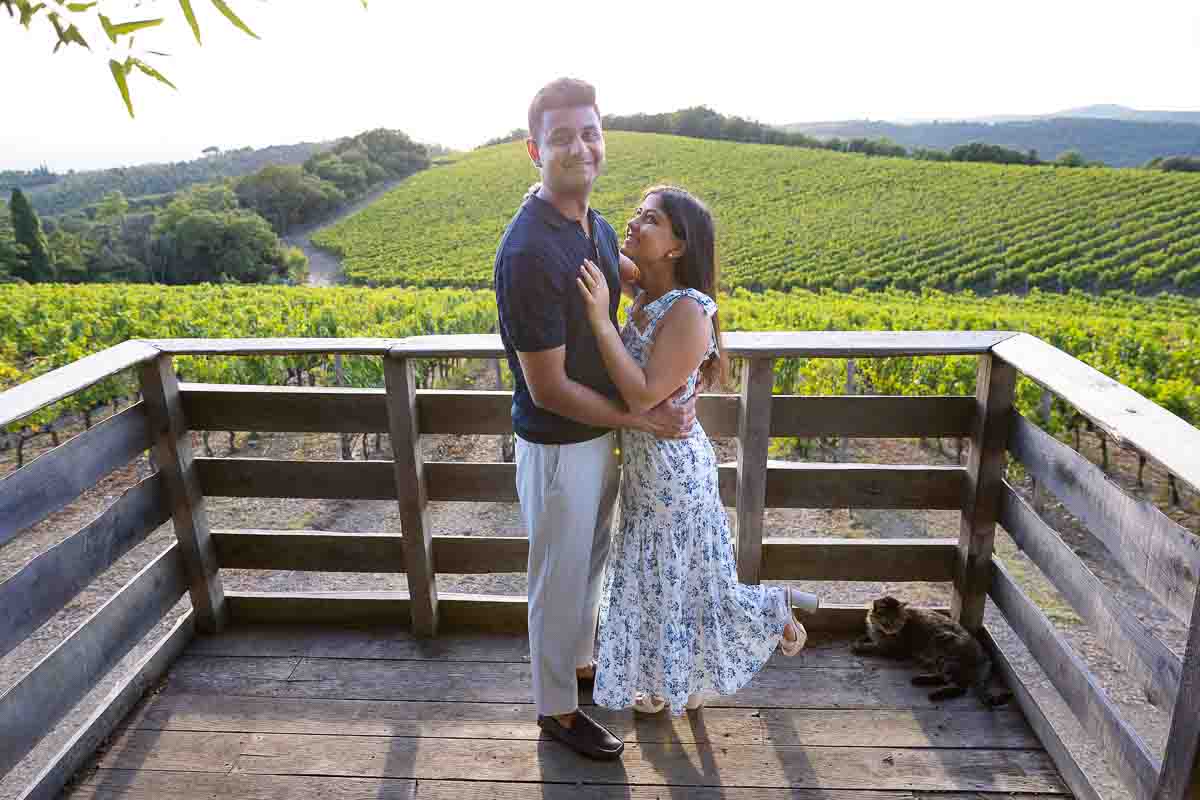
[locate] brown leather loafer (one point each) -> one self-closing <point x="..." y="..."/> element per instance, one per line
<point x="586" y="737"/>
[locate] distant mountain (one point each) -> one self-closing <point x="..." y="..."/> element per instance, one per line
<point x="1116" y="142"/>
<point x="1101" y="111"/>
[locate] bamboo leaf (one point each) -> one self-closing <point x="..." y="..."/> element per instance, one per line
<point x="119" y="71"/>
<point x="126" y="28"/>
<point x="77" y="7"/>
<point x="152" y="72"/>
<point x="232" y="17"/>
<point x="28" y="11"/>
<point x="191" y="17"/>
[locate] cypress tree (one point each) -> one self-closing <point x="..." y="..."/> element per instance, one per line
<point x="36" y="264"/>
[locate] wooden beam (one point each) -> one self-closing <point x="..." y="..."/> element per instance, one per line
<point x="52" y="578"/>
<point x="1162" y="554"/>
<point x="32" y="707"/>
<point x="301" y="409"/>
<point x="54" y="480"/>
<point x="1123" y="635"/>
<point x="995" y="382"/>
<point x="1068" y="768"/>
<point x="795" y="484"/>
<point x="1083" y="694"/>
<point x="331" y="480"/>
<point x="871" y="416"/>
<point x="1180" y="776"/>
<point x="788" y="559"/>
<point x="173" y="454"/>
<point x="78" y="750"/>
<point x="744" y="344"/>
<point x="273" y="347"/>
<point x="468" y="612"/>
<point x="1126" y="417"/>
<point x="413" y="495"/>
<point x="24" y="399"/>
<point x="753" y="442"/>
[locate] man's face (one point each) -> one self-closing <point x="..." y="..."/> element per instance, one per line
<point x="570" y="149"/>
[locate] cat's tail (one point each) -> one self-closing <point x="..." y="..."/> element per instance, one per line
<point x="992" y="698"/>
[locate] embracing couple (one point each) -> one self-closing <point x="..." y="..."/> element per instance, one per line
<point x="675" y="626"/>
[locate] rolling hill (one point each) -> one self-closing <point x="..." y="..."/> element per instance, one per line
<point x="796" y="218"/>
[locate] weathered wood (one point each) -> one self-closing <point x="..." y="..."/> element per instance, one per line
<point x="995" y="382"/>
<point x="500" y="613"/>
<point x="858" y="559"/>
<point x="745" y="344"/>
<point x="1122" y="634"/>
<point x="1083" y="694"/>
<point x="753" y="441"/>
<point x="1068" y="768"/>
<point x="173" y="455"/>
<point x="412" y="493"/>
<point x="791" y="484"/>
<point x="32" y="706"/>
<point x="658" y="764"/>
<point x="1163" y="555"/>
<point x="1129" y="419"/>
<point x="52" y="578"/>
<point x="456" y="720"/>
<point x="54" y="480"/>
<point x="504" y="613"/>
<point x="325" y="551"/>
<point x="26" y="398"/>
<point x="124" y="785"/>
<point x="273" y="347"/>
<point x="1180" y="775"/>
<point x="79" y="748"/>
<point x="879" y="416"/>
<point x="261" y="477"/>
<point x="304" y="409"/>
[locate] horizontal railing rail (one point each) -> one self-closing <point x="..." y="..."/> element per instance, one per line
<point x="1162" y="555"/>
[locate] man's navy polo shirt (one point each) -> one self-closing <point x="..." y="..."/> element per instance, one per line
<point x="540" y="308"/>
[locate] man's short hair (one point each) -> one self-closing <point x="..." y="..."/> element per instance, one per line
<point x="561" y="93"/>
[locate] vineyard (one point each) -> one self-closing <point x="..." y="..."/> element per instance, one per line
<point x="1151" y="345"/>
<point x="794" y="218"/>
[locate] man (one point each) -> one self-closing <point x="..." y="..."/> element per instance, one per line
<point x="564" y="405"/>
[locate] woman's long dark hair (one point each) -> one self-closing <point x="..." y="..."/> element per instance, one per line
<point x="692" y="223"/>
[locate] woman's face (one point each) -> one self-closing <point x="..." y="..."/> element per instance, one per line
<point x="649" y="239"/>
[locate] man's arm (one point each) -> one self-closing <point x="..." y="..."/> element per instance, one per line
<point x="546" y="375"/>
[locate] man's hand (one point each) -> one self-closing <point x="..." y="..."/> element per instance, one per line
<point x="670" y="421"/>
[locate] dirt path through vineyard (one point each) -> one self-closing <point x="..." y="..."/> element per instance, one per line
<point x="325" y="268"/>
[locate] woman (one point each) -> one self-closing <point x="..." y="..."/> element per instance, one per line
<point x="675" y="625"/>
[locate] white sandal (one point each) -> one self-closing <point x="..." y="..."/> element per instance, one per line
<point x="808" y="603"/>
<point x="644" y="703"/>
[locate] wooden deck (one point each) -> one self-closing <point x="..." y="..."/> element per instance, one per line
<point x="293" y="712"/>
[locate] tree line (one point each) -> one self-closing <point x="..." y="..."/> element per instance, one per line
<point x="227" y="230"/>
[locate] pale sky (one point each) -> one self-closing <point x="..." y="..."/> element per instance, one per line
<point x="460" y="73"/>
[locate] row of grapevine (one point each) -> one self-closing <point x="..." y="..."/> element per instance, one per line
<point x="1153" y="346"/>
<point x="793" y="218"/>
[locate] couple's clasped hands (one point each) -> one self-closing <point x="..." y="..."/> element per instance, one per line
<point x="669" y="419"/>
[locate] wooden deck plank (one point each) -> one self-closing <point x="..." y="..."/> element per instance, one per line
<point x="1002" y="729"/>
<point x="128" y="785"/>
<point x="352" y="679"/>
<point x="646" y="764"/>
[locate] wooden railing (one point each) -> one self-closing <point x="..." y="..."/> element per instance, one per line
<point x="1162" y="555"/>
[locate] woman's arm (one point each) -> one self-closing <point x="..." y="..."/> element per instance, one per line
<point x="681" y="343"/>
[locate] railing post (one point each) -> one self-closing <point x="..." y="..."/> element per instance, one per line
<point x="173" y="453"/>
<point x="1180" y="776"/>
<point x="754" y="437"/>
<point x="995" y="382"/>
<point x="415" y="527"/>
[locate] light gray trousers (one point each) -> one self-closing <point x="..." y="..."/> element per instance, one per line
<point x="567" y="494"/>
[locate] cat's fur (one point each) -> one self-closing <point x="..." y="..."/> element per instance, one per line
<point x="951" y="656"/>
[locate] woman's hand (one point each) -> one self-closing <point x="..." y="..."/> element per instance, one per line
<point x="594" y="288"/>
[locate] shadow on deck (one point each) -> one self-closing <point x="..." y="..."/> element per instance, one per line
<point x="287" y="711"/>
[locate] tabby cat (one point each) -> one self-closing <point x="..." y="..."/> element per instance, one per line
<point x="951" y="656"/>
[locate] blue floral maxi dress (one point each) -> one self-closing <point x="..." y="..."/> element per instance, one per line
<point x="673" y="618"/>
